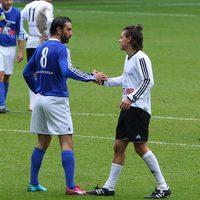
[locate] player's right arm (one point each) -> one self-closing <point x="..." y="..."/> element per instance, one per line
<point x="116" y="81"/>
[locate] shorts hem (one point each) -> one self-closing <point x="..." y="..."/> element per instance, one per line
<point x="45" y="133"/>
<point x="130" y="140"/>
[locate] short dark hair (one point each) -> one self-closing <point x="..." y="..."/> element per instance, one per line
<point x="58" y="22"/>
<point x="135" y="33"/>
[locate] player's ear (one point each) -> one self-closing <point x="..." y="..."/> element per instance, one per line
<point x="58" y="30"/>
<point x="129" y="39"/>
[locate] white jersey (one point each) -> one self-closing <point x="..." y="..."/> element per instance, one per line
<point x="31" y="13"/>
<point x="136" y="80"/>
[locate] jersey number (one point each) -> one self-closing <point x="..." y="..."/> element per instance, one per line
<point x="31" y="14"/>
<point x="43" y="59"/>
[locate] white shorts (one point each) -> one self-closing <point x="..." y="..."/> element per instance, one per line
<point x="51" y="116"/>
<point x="7" y="59"/>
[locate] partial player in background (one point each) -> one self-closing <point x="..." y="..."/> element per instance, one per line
<point x="133" y="123"/>
<point x="51" y="115"/>
<point x="11" y="32"/>
<point x="39" y="15"/>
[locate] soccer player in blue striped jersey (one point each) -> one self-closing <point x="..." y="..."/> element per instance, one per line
<point x="133" y="123"/>
<point x="51" y="115"/>
<point x="11" y="30"/>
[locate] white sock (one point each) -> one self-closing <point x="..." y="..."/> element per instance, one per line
<point x="114" y="174"/>
<point x="152" y="163"/>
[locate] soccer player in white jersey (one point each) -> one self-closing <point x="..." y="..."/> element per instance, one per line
<point x="11" y="32"/>
<point x="133" y="123"/>
<point x="39" y="15"/>
<point x="51" y="115"/>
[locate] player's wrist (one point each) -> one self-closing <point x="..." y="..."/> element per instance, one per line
<point x="133" y="99"/>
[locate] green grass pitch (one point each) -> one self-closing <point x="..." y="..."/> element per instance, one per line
<point x="171" y="39"/>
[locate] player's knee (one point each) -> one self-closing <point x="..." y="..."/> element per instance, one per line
<point x="138" y="151"/>
<point x="141" y="149"/>
<point x="118" y="148"/>
<point x="44" y="146"/>
<point x="1" y="76"/>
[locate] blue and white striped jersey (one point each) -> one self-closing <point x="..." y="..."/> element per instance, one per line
<point x="11" y="26"/>
<point x="52" y="63"/>
<point x="136" y="80"/>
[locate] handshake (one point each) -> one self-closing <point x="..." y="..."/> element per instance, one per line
<point x="100" y="77"/>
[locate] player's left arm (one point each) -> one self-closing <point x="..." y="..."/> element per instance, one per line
<point x="21" y="36"/>
<point x="69" y="71"/>
<point x="49" y="14"/>
<point x="20" y="51"/>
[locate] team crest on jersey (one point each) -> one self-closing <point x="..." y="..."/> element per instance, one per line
<point x="2" y="16"/>
<point x="128" y="91"/>
<point x="7" y="29"/>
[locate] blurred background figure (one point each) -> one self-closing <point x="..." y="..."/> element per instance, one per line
<point x="11" y="32"/>
<point x="39" y="15"/>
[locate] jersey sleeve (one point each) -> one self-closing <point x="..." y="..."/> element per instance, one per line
<point x="22" y="34"/>
<point x="146" y="75"/>
<point x="29" y="71"/>
<point x="49" y="14"/>
<point x="68" y="70"/>
<point x="24" y="14"/>
<point x="116" y="81"/>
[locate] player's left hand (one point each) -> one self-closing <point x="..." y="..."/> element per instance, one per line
<point x="43" y="38"/>
<point x="126" y="104"/>
<point x="19" y="57"/>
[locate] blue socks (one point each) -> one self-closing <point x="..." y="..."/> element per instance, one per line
<point x="36" y="161"/>
<point x="2" y="94"/>
<point x="68" y="164"/>
<point x="6" y="85"/>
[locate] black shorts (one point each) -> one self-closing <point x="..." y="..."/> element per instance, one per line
<point x="133" y="125"/>
<point x="29" y="53"/>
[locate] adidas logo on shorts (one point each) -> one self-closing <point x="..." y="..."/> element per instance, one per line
<point x="138" y="137"/>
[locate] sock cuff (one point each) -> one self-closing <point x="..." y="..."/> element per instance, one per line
<point x="148" y="153"/>
<point x="117" y="165"/>
<point x="67" y="152"/>
<point x="40" y="150"/>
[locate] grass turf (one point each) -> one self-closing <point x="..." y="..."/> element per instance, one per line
<point x="171" y="38"/>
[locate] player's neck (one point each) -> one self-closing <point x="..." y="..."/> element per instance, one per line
<point x="131" y="52"/>
<point x="55" y="37"/>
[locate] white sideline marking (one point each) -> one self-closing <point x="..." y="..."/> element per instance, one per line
<point x="110" y="138"/>
<point x="115" y="115"/>
<point x="129" y="13"/>
<point x="154" y="117"/>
